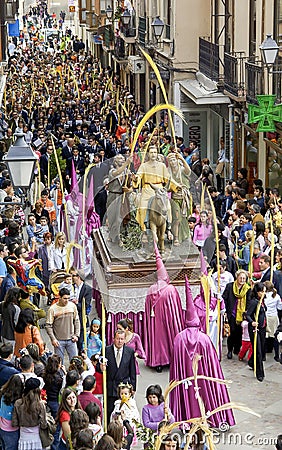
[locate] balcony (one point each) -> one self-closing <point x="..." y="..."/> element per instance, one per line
<point x="92" y="21"/>
<point x="254" y="81"/>
<point x="128" y="32"/>
<point x="209" y="59"/>
<point x="234" y="76"/>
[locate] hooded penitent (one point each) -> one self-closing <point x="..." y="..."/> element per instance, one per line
<point x="187" y="343"/>
<point x="164" y="317"/>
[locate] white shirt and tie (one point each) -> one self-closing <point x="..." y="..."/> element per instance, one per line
<point x="118" y="355"/>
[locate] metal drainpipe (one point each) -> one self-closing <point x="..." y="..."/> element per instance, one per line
<point x="231" y="140"/>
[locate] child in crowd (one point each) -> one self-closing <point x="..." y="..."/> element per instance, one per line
<point x="246" y="342"/>
<point x="94" y="414"/>
<point x="94" y="343"/>
<point x="126" y="403"/>
<point x="98" y="391"/>
<point x="44" y="229"/>
<point x="154" y="412"/>
<point x="127" y="407"/>
<point x="67" y="283"/>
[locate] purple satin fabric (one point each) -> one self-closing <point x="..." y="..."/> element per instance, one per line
<point x="182" y="399"/>
<point x="113" y="319"/>
<point x="167" y="322"/>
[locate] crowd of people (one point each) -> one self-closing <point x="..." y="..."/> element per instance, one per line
<point x="80" y="121"/>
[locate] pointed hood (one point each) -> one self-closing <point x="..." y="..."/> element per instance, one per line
<point x="161" y="270"/>
<point x="192" y="318"/>
<point x="90" y="196"/>
<point x="74" y="183"/>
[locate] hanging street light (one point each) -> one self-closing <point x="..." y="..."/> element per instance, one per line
<point x="125" y="18"/>
<point x="158" y="27"/>
<point x="269" y="50"/>
<point x="21" y="161"/>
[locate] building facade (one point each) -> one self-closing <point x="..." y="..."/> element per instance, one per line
<point x="210" y="62"/>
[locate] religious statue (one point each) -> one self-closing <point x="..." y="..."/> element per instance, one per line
<point x="151" y="175"/>
<point x="118" y="208"/>
<point x="180" y="172"/>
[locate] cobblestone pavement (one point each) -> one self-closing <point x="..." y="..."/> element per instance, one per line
<point x="250" y="432"/>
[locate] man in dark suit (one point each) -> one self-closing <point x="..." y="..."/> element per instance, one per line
<point x="112" y="120"/>
<point x="82" y="291"/>
<point x="120" y="368"/>
<point x="78" y="162"/>
<point x="264" y="265"/>
<point x="44" y="161"/>
<point x="196" y="166"/>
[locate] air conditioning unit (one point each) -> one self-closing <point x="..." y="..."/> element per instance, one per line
<point x="136" y="64"/>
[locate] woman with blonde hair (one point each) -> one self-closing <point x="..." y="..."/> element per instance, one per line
<point x="60" y="254"/>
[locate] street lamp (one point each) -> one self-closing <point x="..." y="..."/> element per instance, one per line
<point x="109" y="12"/>
<point x="125" y="18"/>
<point x="269" y="50"/>
<point x="21" y="162"/>
<point x="158" y="27"/>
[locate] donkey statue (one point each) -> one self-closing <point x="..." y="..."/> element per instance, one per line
<point x="159" y="215"/>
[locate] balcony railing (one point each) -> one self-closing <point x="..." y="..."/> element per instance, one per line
<point x="234" y="74"/>
<point x="209" y="59"/>
<point x="254" y="81"/>
<point x="142" y="29"/>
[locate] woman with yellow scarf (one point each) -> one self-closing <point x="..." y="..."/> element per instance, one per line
<point x="236" y="298"/>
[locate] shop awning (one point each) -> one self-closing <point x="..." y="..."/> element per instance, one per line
<point x="101" y="30"/>
<point x="200" y="95"/>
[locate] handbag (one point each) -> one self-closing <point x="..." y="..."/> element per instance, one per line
<point x="47" y="434"/>
<point x="219" y="168"/>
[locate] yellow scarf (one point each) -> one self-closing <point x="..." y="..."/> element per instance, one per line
<point x="241" y="296"/>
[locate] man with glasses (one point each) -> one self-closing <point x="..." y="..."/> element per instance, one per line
<point x="63" y="325"/>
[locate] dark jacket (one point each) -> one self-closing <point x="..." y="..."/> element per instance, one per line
<point x="85" y="292"/>
<point x="7" y="370"/>
<point x="22" y="418"/>
<point x="251" y="313"/>
<point x="8" y="321"/>
<point x="230" y="299"/>
<point x="7" y="283"/>
<point x="125" y="373"/>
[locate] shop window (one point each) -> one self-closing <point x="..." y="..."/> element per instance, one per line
<point x="274" y="167"/>
<point x="251" y="140"/>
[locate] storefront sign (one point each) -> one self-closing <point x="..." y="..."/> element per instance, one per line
<point x="197" y="128"/>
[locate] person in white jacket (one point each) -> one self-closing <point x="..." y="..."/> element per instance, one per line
<point x="60" y="254"/>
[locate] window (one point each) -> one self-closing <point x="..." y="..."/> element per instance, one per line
<point x="278" y="23"/>
<point x="142" y="8"/>
<point x="167" y="18"/>
<point x="103" y="5"/>
<point x="252" y="28"/>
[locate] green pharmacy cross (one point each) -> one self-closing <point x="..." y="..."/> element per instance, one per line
<point x="265" y="113"/>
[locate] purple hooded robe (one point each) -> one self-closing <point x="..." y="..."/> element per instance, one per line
<point x="163" y="319"/>
<point x="187" y="343"/>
